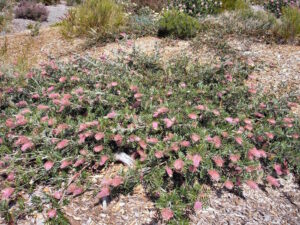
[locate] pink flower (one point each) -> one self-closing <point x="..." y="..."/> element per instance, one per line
<point x="214" y="175"/>
<point x="234" y="158"/>
<point x="248" y="121"/>
<point x="160" y="111"/>
<point x="229" y="120"/>
<point x="62" y="79"/>
<point x="134" y="88"/>
<point x="159" y="154"/>
<point x="253" y="152"/>
<point x="216" y="112"/>
<point x="239" y="140"/>
<point x="52" y="213"/>
<point x="174" y="147"/>
<point x="116" y="181"/>
<point x="218" y="161"/>
<point x="103" y="193"/>
<point x="114" y="84"/>
<point x="196" y="160"/>
<point x="167" y="214"/>
<point x="118" y="139"/>
<point x="272" y="181"/>
<point x="155" y="125"/>
<point x="103" y="160"/>
<point x="228" y="184"/>
<point x="98" y="148"/>
<point x="269" y="135"/>
<point x="111" y="115"/>
<point x="77" y="191"/>
<point x="169" y="171"/>
<point x="65" y="163"/>
<point x="79" y="162"/>
<point x="99" y="136"/>
<point x="169" y="123"/>
<point x="143" y="144"/>
<point x="178" y="164"/>
<point x="278" y="169"/>
<point x="193" y="116"/>
<point x="195" y="137"/>
<point x="215" y="140"/>
<point x="10" y="176"/>
<point x="7" y="192"/>
<point x="48" y="165"/>
<point x="185" y="144"/>
<point x="57" y="195"/>
<point x="26" y="146"/>
<point x="197" y="206"/>
<point x="271" y="121"/>
<point x="62" y="144"/>
<point x="152" y="140"/>
<point x="252" y="184"/>
<point x="42" y="107"/>
<point x="201" y="107"/>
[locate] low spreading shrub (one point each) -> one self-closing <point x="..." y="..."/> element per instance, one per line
<point x="100" y="17"/>
<point x="275" y="6"/>
<point x="184" y="124"/>
<point x="177" y="24"/>
<point x="289" y="28"/>
<point x="31" y="10"/>
<point x="197" y="7"/>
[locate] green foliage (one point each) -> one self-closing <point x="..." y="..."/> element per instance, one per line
<point x="94" y="17"/>
<point x="177" y="24"/>
<point x="289" y="29"/>
<point x="34" y="29"/>
<point x="197" y="7"/>
<point x="276" y="6"/>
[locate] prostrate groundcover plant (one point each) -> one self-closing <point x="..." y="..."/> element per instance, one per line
<point x="184" y="124"/>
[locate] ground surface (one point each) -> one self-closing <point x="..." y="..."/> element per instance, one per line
<point x="276" y="64"/>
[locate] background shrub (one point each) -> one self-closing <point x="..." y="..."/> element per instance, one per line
<point x="275" y="6"/>
<point x="197" y="7"/>
<point x="177" y="24"/>
<point x="73" y="2"/>
<point x="234" y="5"/>
<point x="49" y="2"/>
<point x="289" y="29"/>
<point x="2" y="4"/>
<point x="31" y="10"/>
<point x="100" y="16"/>
<point x="248" y="22"/>
<point x="156" y="5"/>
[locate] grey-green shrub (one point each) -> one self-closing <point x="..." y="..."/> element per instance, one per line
<point x="177" y="24"/>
